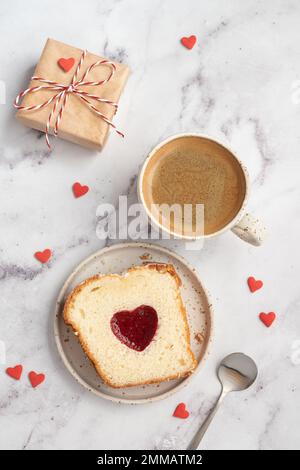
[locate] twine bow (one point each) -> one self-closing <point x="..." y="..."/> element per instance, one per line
<point x="63" y="91"/>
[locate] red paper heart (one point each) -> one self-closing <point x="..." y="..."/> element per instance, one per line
<point x="181" y="411"/>
<point x="135" y="328"/>
<point x="254" y="284"/>
<point x="15" y="372"/>
<point x="43" y="256"/>
<point x="189" y="42"/>
<point x="66" y="64"/>
<point x="35" y="379"/>
<point x="267" y="318"/>
<point x="79" y="190"/>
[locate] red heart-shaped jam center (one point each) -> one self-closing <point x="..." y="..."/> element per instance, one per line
<point x="135" y="328"/>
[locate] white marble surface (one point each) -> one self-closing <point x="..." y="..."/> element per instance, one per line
<point x="236" y="84"/>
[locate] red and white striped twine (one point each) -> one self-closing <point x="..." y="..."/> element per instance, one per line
<point x="63" y="91"/>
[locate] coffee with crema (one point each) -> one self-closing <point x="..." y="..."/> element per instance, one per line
<point x="196" y="170"/>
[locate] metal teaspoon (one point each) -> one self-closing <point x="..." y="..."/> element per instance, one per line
<point x="236" y="372"/>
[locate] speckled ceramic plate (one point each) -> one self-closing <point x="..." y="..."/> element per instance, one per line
<point x="116" y="259"/>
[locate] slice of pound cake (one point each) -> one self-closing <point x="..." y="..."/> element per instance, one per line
<point x="133" y="327"/>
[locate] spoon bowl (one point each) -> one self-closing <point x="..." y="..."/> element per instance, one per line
<point x="237" y="372"/>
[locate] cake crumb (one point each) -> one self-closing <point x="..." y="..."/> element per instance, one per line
<point x="145" y="256"/>
<point x="199" y="337"/>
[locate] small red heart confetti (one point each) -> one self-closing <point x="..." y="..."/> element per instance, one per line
<point x="267" y="318"/>
<point x="254" y="284"/>
<point x="35" y="379"/>
<point x="15" y="372"/>
<point x="188" y="42"/>
<point x="79" y="190"/>
<point x="43" y="256"/>
<point x="66" y="64"/>
<point x="181" y="411"/>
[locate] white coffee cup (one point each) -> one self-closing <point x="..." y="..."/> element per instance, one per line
<point x="244" y="225"/>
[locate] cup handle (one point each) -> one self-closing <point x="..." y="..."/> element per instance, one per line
<point x="250" y="229"/>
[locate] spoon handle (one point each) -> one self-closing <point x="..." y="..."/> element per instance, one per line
<point x="194" y="444"/>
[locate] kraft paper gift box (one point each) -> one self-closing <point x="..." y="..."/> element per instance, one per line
<point x="79" y="123"/>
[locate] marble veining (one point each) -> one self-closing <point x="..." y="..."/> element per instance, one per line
<point x="237" y="85"/>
